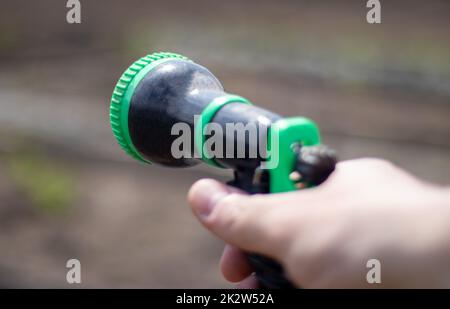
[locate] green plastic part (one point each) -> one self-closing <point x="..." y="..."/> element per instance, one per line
<point x="206" y="117"/>
<point x="122" y="94"/>
<point x="283" y="135"/>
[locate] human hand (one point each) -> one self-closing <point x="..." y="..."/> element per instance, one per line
<point x="324" y="236"/>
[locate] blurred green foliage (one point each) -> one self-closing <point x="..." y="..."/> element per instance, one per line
<point x="47" y="185"/>
<point x="8" y="38"/>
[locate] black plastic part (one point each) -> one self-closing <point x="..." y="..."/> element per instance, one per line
<point x="245" y="180"/>
<point x="172" y="92"/>
<point x="315" y="164"/>
<point x="269" y="273"/>
<point x="247" y="149"/>
<point x="175" y="92"/>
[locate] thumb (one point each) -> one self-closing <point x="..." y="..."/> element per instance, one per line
<point x="247" y="222"/>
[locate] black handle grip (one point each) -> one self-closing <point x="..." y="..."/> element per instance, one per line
<point x="270" y="274"/>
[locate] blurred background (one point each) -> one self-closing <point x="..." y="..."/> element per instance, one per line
<point x="68" y="191"/>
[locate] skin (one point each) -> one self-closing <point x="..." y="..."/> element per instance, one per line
<point x="324" y="236"/>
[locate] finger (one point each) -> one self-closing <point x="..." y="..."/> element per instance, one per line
<point x="234" y="264"/>
<point x="248" y="283"/>
<point x="247" y="222"/>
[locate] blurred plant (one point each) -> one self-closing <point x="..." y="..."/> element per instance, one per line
<point x="8" y="38"/>
<point x="138" y="40"/>
<point x="48" y="186"/>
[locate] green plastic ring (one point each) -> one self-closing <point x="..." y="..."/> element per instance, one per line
<point x="206" y="116"/>
<point x="123" y="93"/>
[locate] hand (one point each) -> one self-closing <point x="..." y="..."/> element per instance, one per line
<point x="324" y="236"/>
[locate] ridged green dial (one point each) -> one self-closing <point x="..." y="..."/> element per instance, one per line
<point x="123" y="93"/>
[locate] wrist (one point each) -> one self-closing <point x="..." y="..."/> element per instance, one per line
<point x="440" y="225"/>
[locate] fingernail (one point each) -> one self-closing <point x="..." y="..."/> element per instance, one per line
<point x="205" y="195"/>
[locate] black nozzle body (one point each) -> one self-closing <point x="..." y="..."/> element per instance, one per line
<point x="175" y="92"/>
